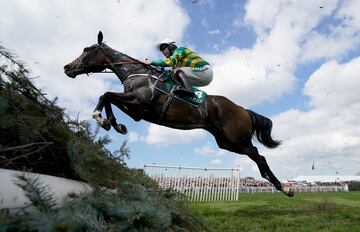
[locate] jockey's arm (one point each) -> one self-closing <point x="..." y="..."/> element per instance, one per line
<point x="160" y="63"/>
<point x="172" y="61"/>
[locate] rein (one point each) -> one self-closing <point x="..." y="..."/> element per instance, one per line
<point x="112" y="64"/>
<point x="109" y="63"/>
<point x="127" y="62"/>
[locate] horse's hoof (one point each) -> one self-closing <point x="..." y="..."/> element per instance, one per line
<point x="290" y="193"/>
<point x="120" y="128"/>
<point x="106" y="124"/>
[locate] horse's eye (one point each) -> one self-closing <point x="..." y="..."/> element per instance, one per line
<point x="86" y="49"/>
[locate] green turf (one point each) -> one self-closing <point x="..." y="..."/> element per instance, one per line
<point x="275" y="212"/>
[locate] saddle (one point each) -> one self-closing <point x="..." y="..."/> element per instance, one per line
<point x="169" y="85"/>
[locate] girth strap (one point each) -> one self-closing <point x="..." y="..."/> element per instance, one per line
<point x="167" y="103"/>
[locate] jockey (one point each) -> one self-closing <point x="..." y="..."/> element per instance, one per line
<point x="189" y="68"/>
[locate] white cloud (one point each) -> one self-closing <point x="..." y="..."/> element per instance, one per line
<point x="208" y="150"/>
<point x="246" y="165"/>
<point x="49" y="35"/>
<point x="133" y="137"/>
<point x="205" y="22"/>
<point x="329" y="133"/>
<point x="161" y="135"/>
<point x="240" y="76"/>
<point x="285" y="16"/>
<point x="210" y="3"/>
<point x="263" y="18"/>
<point x="268" y="67"/>
<point x="323" y="46"/>
<point x="334" y="85"/>
<point x="343" y="36"/>
<point x="266" y="71"/>
<point x="216" y="161"/>
<point x="214" y="32"/>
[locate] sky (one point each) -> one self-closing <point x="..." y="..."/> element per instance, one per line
<point x="296" y="62"/>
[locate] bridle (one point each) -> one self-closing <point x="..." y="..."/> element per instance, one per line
<point x="108" y="63"/>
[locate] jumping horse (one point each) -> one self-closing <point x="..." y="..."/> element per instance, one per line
<point x="232" y="126"/>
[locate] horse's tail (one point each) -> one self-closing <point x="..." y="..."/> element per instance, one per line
<point x="262" y="127"/>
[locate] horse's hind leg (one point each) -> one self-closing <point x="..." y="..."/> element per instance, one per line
<point x="232" y="127"/>
<point x="264" y="169"/>
<point x="244" y="146"/>
<point x="252" y="153"/>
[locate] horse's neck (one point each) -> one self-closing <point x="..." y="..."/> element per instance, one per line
<point x="123" y="70"/>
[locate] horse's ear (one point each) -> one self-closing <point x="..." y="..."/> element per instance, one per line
<point x="100" y="37"/>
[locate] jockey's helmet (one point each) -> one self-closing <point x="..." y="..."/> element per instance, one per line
<point x="170" y="43"/>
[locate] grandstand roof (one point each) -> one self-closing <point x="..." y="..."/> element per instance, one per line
<point x="326" y="178"/>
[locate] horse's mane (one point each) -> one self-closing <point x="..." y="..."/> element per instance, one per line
<point x="141" y="66"/>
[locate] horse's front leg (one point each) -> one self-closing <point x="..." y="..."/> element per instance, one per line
<point x="97" y="114"/>
<point x="105" y="101"/>
<point x="111" y="120"/>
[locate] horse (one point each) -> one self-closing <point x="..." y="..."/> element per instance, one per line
<point x="142" y="99"/>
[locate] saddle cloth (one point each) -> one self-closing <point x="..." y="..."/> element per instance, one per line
<point x="169" y="84"/>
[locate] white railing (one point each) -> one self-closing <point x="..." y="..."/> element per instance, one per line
<point x="196" y="183"/>
<point x="216" y="184"/>
<point x="300" y="189"/>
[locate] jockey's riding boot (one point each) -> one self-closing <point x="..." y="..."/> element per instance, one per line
<point x="184" y="89"/>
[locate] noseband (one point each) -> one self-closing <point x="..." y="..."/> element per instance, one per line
<point x="85" y="59"/>
<point x="108" y="63"/>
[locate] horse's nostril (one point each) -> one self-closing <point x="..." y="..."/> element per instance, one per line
<point x="66" y="66"/>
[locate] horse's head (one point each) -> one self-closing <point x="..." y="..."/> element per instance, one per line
<point x="91" y="60"/>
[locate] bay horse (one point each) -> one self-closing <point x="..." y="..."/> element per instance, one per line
<point x="232" y="126"/>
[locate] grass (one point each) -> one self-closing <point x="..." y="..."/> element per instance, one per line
<point x="275" y="212"/>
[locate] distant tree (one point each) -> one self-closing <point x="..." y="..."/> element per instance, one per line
<point x="354" y="186"/>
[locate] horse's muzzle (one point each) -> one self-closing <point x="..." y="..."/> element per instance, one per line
<point x="71" y="72"/>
